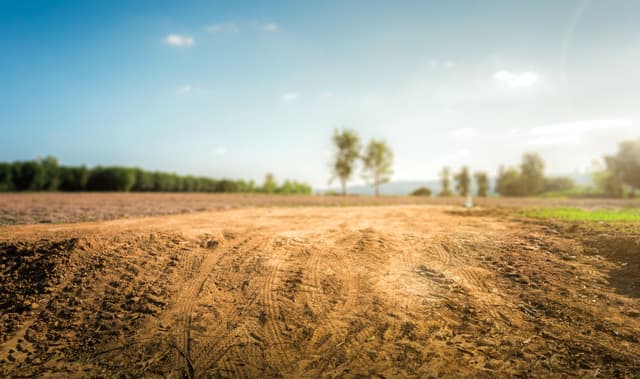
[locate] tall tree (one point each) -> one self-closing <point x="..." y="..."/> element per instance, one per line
<point x="626" y="164"/>
<point x="532" y="174"/>
<point x="347" y="143"/>
<point x="377" y="161"/>
<point x="445" y="180"/>
<point x="463" y="181"/>
<point x="482" y="183"/>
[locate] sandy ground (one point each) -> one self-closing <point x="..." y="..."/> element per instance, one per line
<point x="394" y="291"/>
<point x="46" y="208"/>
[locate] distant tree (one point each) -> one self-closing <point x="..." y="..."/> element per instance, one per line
<point x="509" y="183"/>
<point x="377" y="161"/>
<point x="482" y="183"/>
<point x="111" y="179"/>
<point x="73" y="178"/>
<point x="270" y="185"/>
<point x="28" y="176"/>
<point x="463" y="181"/>
<point x="347" y="143"/>
<point x="144" y="181"/>
<point x="51" y="172"/>
<point x="625" y="164"/>
<point x="558" y="184"/>
<point x="445" y="179"/>
<point x="5" y="177"/>
<point x="422" y="191"/>
<point x="532" y="174"/>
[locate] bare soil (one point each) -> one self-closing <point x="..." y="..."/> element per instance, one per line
<point x="394" y="291"/>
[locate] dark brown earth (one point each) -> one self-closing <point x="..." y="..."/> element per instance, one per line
<point x="394" y="291"/>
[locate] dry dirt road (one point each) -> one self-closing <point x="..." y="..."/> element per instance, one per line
<point x="394" y="291"/>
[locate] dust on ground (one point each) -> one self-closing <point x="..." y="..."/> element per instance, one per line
<point x="394" y="291"/>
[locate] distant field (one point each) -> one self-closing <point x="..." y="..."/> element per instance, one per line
<point x="35" y="208"/>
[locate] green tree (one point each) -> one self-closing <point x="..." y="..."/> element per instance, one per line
<point x="558" y="184"/>
<point x="347" y="144"/>
<point x="270" y="185"/>
<point x="377" y="161"/>
<point x="51" y="172"/>
<point x="73" y="178"/>
<point x="482" y="183"/>
<point x="445" y="180"/>
<point x="111" y="179"/>
<point x="509" y="183"/>
<point x="28" y="176"/>
<point x="463" y="181"/>
<point x="532" y="174"/>
<point x="5" y="177"/>
<point x="626" y="164"/>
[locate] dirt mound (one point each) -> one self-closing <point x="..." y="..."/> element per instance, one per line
<point x="320" y="292"/>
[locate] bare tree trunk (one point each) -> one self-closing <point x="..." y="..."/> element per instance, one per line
<point x="344" y="187"/>
<point x="376" y="186"/>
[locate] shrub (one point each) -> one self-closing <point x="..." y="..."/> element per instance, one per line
<point x="422" y="191"/>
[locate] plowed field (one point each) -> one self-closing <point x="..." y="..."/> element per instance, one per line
<point x="393" y="291"/>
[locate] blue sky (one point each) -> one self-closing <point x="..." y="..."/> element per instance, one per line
<point x="236" y="89"/>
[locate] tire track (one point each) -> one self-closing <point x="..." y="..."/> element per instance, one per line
<point x="220" y="340"/>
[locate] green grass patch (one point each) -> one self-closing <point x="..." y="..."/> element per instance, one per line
<point x="576" y="214"/>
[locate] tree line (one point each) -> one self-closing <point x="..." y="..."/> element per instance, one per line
<point x="619" y="177"/>
<point x="46" y="174"/>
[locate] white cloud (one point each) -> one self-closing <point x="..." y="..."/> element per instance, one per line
<point x="270" y="27"/>
<point x="556" y="139"/>
<point x="223" y="27"/>
<point x="187" y="88"/>
<point x="579" y="126"/>
<point x="513" y="132"/>
<point x="220" y="151"/>
<point x="571" y="132"/>
<point x="179" y="41"/>
<point x="325" y="94"/>
<point x="464" y="132"/>
<point x="513" y="80"/>
<point x="290" y="97"/>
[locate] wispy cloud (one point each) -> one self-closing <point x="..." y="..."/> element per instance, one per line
<point x="187" y="88"/>
<point x="223" y="27"/>
<point x="270" y="27"/>
<point x="463" y="132"/>
<point x="514" y="80"/>
<point x="220" y="151"/>
<point x="442" y="63"/>
<point x="571" y="132"/>
<point x="556" y="139"/>
<point x="579" y="126"/>
<point x="179" y="40"/>
<point x="289" y="97"/>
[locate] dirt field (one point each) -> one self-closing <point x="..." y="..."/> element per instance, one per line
<point x="46" y="208"/>
<point x="393" y="291"/>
